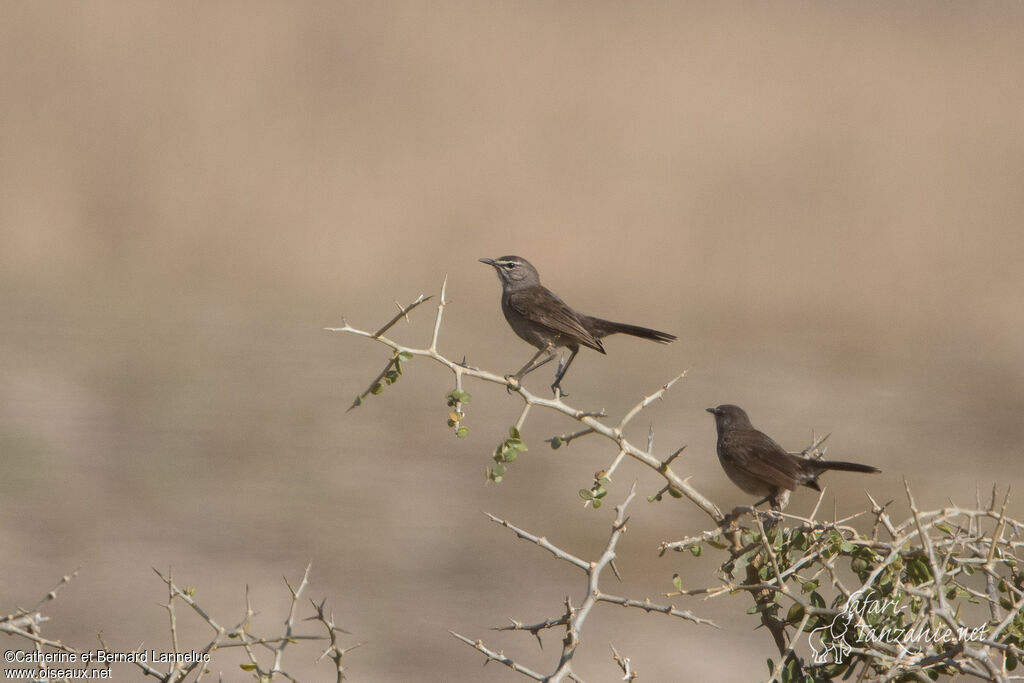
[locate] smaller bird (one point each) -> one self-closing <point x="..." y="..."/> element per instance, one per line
<point x="758" y="465"/>
<point x="542" y="319"/>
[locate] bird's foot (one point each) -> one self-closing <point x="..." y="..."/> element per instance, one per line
<point x="771" y="517"/>
<point x="558" y="391"/>
<point x="512" y="383"/>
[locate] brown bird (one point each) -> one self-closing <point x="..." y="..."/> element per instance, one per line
<point x="542" y="319"/>
<point x="758" y="465"/>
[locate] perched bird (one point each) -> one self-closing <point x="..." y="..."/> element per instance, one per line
<point x="540" y="318"/>
<point x="762" y="467"/>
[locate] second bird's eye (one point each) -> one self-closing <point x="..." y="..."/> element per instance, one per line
<point x="509" y="266"/>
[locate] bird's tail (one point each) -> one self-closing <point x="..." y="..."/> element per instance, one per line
<point x="845" y="466"/>
<point x="602" y="328"/>
<point x="823" y="465"/>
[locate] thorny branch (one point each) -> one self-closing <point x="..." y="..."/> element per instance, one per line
<point x="938" y="573"/>
<point x="26" y="624"/>
<point x="927" y="560"/>
<point x="588" y="419"/>
<point x="573" y="618"/>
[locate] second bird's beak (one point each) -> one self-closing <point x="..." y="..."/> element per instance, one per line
<point x="488" y="261"/>
<point x="710" y="410"/>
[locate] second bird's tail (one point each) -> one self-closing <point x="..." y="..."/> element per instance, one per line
<point x="845" y="466"/>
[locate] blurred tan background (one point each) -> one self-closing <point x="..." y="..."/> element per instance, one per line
<point x="824" y="201"/>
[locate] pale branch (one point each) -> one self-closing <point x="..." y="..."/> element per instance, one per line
<point x="375" y="384"/>
<point x="589" y="419"/>
<point x="647" y="606"/>
<point x="928" y="561"/>
<point x="542" y="542"/>
<point x="574" y="617"/>
<point x="499" y="657"/>
<point x="289" y="623"/>
<point x="333" y="650"/>
<point x="25" y="624"/>
<point x="534" y="629"/>
<point x="440" y="314"/>
<point x="928" y="558"/>
<point x="628" y="672"/>
<point x="566" y="439"/>
<point x="813" y="450"/>
<point x="404" y="313"/>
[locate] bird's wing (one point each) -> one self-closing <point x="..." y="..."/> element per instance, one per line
<point x="543" y="307"/>
<point x="758" y="455"/>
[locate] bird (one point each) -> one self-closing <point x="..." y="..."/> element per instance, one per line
<point x="542" y="319"/>
<point x="758" y="465"/>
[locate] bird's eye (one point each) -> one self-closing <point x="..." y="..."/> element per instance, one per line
<point x="509" y="265"/>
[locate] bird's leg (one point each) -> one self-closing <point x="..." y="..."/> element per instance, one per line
<point x="556" y="388"/>
<point x="548" y="351"/>
<point x="777" y="500"/>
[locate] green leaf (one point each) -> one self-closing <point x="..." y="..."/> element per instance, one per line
<point x="918" y="571"/>
<point x="461" y="432"/>
<point x="677" y="581"/>
<point x="456" y="396"/>
<point x="743" y="560"/>
<point x="586" y="494"/>
<point x="596" y="503"/>
<point x="601" y="492"/>
<point x="513" y="433"/>
<point x="674" y="492"/>
<point x="555" y="443"/>
<point x="405" y="356"/>
<point x="696" y="549"/>
<point x="248" y="667"/>
<point x="795" y="614"/>
<point x="808" y="586"/>
<point x="377" y="388"/>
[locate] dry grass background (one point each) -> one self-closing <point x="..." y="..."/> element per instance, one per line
<point x="824" y="201"/>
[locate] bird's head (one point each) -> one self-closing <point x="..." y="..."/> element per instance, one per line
<point x="513" y="271"/>
<point x="728" y="416"/>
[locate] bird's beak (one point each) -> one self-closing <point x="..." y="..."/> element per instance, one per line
<point x="488" y="261"/>
<point x="710" y="410"/>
